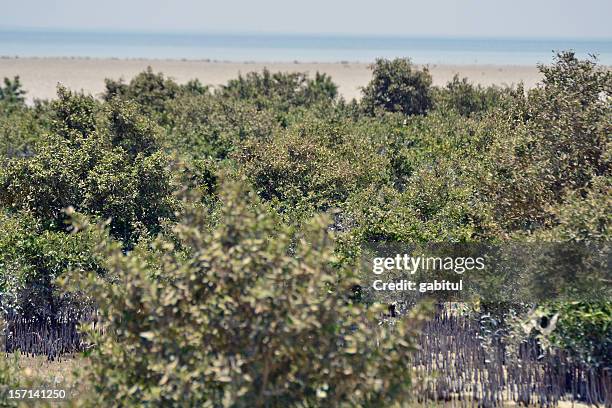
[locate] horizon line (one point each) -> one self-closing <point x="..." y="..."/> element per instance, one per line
<point x="139" y="31"/>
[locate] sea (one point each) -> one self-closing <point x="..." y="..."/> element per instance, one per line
<point x="261" y="47"/>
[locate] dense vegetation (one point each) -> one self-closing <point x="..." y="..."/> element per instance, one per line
<point x="216" y="230"/>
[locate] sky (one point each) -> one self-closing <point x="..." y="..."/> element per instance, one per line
<point x="438" y="18"/>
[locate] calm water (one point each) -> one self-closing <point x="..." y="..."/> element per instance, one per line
<point x="304" y="48"/>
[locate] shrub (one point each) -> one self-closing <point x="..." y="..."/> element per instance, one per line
<point x="280" y="90"/>
<point x="254" y="316"/>
<point x="397" y="86"/>
<point x="433" y="163"/>
<point x="12" y="92"/>
<point x="320" y="89"/>
<point x="8" y="377"/>
<point x="583" y="216"/>
<point x="19" y="129"/>
<point x="580" y="328"/>
<point x="549" y="145"/>
<point x="468" y="99"/>
<point x="106" y="167"/>
<point x="313" y="166"/>
<point x="194" y="87"/>
<point x="200" y="126"/>
<point x="74" y="114"/>
<point x="245" y="282"/>
<point x="583" y="330"/>
<point x="434" y="207"/>
<point x="30" y="261"/>
<point x="149" y="89"/>
<point x="102" y="160"/>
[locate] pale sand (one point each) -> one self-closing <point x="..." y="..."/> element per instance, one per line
<point x="40" y="76"/>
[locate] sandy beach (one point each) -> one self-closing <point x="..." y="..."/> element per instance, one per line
<point x="40" y="76"/>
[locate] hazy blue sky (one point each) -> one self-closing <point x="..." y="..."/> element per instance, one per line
<point x="481" y="18"/>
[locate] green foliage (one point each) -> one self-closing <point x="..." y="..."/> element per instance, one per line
<point x="8" y="377"/>
<point x="150" y="90"/>
<point x="583" y="216"/>
<point x="19" y="125"/>
<point x="229" y="305"/>
<point x="320" y="89"/>
<point x="431" y="194"/>
<point x="582" y="329"/>
<point x="313" y="166"/>
<point x="468" y="99"/>
<point x="254" y="316"/>
<point x="12" y="91"/>
<point x="396" y="86"/>
<point x="107" y="167"/>
<point x="134" y="133"/>
<point x="30" y="261"/>
<point x="194" y="87"/>
<point x="281" y="90"/>
<point x="19" y="129"/>
<point x="202" y="126"/>
<point x="550" y="144"/>
<point x="74" y="114"/>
